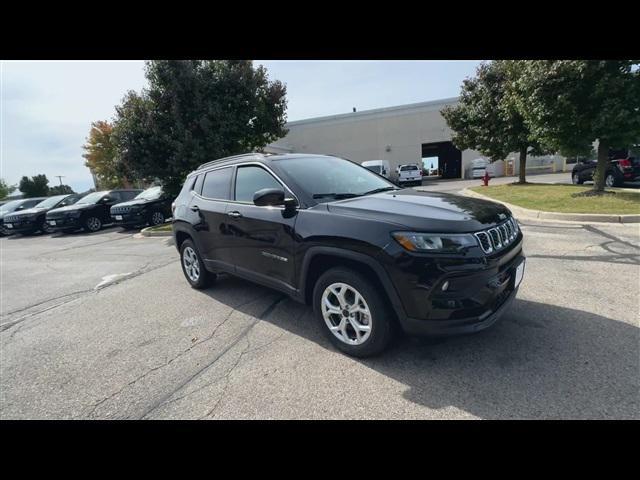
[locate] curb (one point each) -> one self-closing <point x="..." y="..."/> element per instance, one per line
<point x="567" y="217"/>
<point x="147" y="232"/>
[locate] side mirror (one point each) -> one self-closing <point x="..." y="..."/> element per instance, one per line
<point x="106" y="199"/>
<point x="269" y="197"/>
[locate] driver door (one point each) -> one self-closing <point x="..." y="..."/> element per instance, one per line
<point x="263" y="237"/>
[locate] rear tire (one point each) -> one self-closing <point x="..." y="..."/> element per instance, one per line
<point x="193" y="266"/>
<point x="156" y="218"/>
<point x="360" y="326"/>
<point x="611" y="180"/>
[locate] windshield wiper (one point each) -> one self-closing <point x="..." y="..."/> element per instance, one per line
<point x="378" y="190"/>
<point x="337" y="196"/>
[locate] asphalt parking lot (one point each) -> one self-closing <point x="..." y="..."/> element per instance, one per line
<point x="104" y="326"/>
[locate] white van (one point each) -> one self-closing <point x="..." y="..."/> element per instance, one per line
<point x="409" y="173"/>
<point x="381" y="167"/>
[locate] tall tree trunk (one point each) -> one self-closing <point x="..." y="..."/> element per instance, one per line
<point x="601" y="168"/>
<point x="523" y="165"/>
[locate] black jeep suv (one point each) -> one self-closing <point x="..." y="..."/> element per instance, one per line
<point x="15" y="206"/>
<point x="619" y="171"/>
<point x="367" y="255"/>
<point x="33" y="219"/>
<point x="150" y="207"/>
<point x="91" y="212"/>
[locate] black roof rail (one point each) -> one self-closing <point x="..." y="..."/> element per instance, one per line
<point x="213" y="162"/>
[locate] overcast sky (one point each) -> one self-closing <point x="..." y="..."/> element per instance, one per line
<point x="47" y="107"/>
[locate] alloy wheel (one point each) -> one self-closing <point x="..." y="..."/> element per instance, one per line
<point x="157" y="218"/>
<point x="346" y="313"/>
<point x="191" y="264"/>
<point x="609" y="181"/>
<point x="94" y="224"/>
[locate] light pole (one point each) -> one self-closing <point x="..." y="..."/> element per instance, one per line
<point x="59" y="177"/>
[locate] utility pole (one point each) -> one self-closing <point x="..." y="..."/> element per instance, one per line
<point x="59" y="177"/>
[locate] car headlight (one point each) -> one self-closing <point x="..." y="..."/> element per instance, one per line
<point x="434" y="242"/>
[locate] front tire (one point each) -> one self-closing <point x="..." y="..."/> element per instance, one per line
<point x="92" y="224"/>
<point x="193" y="266"/>
<point x="352" y="313"/>
<point x="575" y="179"/>
<point x="156" y="218"/>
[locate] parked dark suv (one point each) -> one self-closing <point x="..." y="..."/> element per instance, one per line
<point x="150" y="207"/>
<point x="90" y="213"/>
<point x="15" y="206"/>
<point x="367" y="255"/>
<point x="618" y="171"/>
<point x="33" y="219"/>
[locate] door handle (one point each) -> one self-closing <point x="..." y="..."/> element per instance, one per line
<point x="234" y="214"/>
<point x="195" y="208"/>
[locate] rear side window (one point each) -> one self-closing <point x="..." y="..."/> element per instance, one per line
<point x="251" y="179"/>
<point x="217" y="184"/>
<point x="197" y="185"/>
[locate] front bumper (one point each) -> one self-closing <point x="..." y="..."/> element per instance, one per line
<point x="122" y="219"/>
<point x="63" y="223"/>
<point x="11" y="228"/>
<point x="477" y="294"/>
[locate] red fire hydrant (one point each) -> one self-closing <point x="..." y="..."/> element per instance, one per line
<point x="486" y="178"/>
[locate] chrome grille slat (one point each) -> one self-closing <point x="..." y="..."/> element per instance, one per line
<point x="498" y="237"/>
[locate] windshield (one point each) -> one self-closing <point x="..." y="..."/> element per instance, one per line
<point x="373" y="168"/>
<point x="10" y="206"/>
<point x="92" y="197"/>
<point x="327" y="178"/>
<point x="50" y="202"/>
<point x="152" y="193"/>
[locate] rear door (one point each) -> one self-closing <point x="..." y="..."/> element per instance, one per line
<point x="210" y="204"/>
<point x="263" y="237"/>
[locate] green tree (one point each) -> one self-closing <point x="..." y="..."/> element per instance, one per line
<point x="571" y="104"/>
<point x="193" y="112"/>
<point x="36" y="186"/>
<point x="60" y="190"/>
<point x="100" y="157"/>
<point x="486" y="117"/>
<point x="5" y="188"/>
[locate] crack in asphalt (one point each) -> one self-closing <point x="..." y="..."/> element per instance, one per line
<point x="79" y="294"/>
<point x="243" y="334"/>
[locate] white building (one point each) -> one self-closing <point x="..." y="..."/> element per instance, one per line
<point x="414" y="133"/>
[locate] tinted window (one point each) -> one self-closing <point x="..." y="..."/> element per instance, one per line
<point x="408" y="167"/>
<point x="251" y="179"/>
<point x="115" y="197"/>
<point x="373" y="168"/>
<point x="31" y="203"/>
<point x="216" y="184"/>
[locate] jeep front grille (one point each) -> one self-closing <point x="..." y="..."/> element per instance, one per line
<point x="498" y="237"/>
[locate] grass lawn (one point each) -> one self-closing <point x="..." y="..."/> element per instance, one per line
<point x="166" y="227"/>
<point x="557" y="198"/>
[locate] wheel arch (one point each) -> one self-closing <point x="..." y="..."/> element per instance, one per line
<point x="319" y="259"/>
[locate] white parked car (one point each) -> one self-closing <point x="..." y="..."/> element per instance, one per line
<point x="381" y="167"/>
<point x="409" y="173"/>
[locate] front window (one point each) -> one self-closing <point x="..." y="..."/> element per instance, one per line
<point x="327" y="178"/>
<point x="251" y="179"/>
<point x="153" y="193"/>
<point x="92" y="198"/>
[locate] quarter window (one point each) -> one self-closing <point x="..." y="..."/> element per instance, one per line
<point x="250" y="179"/>
<point x="216" y="184"/>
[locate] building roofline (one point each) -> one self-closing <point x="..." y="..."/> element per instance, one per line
<point x="364" y="113"/>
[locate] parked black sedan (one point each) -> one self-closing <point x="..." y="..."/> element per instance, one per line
<point x="16" y="206"/>
<point x="32" y="220"/>
<point x="151" y="207"/>
<point x="90" y="213"/>
<point x="618" y="171"/>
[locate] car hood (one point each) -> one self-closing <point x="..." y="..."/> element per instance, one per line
<point x="131" y="203"/>
<point x="71" y="208"/>
<point x="424" y="211"/>
<point x="27" y="212"/>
